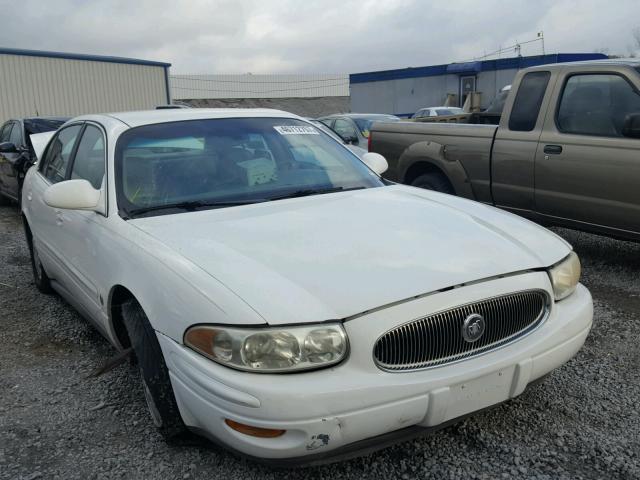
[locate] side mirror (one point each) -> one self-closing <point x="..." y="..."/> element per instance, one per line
<point x="72" y="195"/>
<point x="8" y="147"/>
<point x="351" y="139"/>
<point x="631" y="127"/>
<point x="375" y="162"/>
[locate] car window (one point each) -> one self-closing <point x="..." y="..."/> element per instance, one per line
<point x="345" y="128"/>
<point x="365" y="123"/>
<point x="327" y="121"/>
<point x="230" y="160"/>
<point x="526" y="106"/>
<point x="16" y="135"/>
<point x="6" y="132"/>
<point x="56" y="160"/>
<point x="440" y="112"/>
<point x="596" y="104"/>
<point x="88" y="164"/>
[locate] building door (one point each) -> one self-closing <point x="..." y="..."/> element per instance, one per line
<point x="467" y="85"/>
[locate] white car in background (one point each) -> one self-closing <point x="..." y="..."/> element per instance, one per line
<point x="280" y="297"/>
<point x="437" y="112"/>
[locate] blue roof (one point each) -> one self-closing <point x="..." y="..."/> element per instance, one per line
<point x="81" y="56"/>
<point x="472" y="67"/>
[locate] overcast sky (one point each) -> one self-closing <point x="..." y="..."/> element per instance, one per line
<point x="307" y="36"/>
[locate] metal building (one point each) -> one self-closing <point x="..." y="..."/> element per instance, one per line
<point x="192" y="87"/>
<point x="38" y="83"/>
<point x="402" y="92"/>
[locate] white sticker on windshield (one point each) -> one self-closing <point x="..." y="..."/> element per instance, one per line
<point x="296" y="130"/>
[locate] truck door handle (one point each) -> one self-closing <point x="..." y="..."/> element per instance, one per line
<point x="552" y="149"/>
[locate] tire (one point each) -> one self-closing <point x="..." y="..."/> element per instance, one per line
<point x="40" y="277"/>
<point x="154" y="374"/>
<point x="4" y="200"/>
<point x="433" y="181"/>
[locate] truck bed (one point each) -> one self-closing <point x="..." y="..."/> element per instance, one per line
<point x="461" y="151"/>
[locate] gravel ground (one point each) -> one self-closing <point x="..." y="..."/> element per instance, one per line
<point x="582" y="422"/>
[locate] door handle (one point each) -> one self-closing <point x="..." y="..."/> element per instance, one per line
<point x="552" y="149"/>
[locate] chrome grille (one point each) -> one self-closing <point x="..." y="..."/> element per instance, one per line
<point x="437" y="339"/>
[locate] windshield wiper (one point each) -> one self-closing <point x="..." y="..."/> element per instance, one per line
<point x="190" y="206"/>
<point x="314" y="191"/>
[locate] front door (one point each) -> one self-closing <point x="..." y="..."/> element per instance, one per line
<point x="81" y="233"/>
<point x="9" y="160"/>
<point x="587" y="172"/>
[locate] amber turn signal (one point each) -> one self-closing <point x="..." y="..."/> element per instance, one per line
<point x="254" y="431"/>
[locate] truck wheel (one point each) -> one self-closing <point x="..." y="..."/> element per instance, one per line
<point x="433" y="181"/>
<point x="40" y="277"/>
<point x="154" y="374"/>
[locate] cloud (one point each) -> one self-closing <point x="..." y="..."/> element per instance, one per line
<point x="330" y="36"/>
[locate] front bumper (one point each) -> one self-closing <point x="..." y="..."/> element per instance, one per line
<point x="333" y="412"/>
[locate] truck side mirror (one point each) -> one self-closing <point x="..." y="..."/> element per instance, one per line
<point x="631" y="127"/>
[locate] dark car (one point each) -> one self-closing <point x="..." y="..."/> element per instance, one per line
<point x="16" y="152"/>
<point x="354" y="128"/>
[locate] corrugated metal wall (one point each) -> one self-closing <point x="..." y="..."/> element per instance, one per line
<point x="33" y="85"/>
<point x="191" y="87"/>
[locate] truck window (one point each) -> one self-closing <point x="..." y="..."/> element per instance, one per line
<point x="528" y="100"/>
<point x="596" y="104"/>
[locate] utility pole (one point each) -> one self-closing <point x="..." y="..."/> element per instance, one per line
<point x="541" y="37"/>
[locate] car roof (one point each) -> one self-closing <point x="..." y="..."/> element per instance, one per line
<point x="628" y="62"/>
<point x="359" y="115"/>
<point x="35" y="119"/>
<point x="148" y="117"/>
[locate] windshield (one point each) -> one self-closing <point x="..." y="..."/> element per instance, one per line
<point x="497" y="104"/>
<point x="230" y="161"/>
<point x="364" y="123"/>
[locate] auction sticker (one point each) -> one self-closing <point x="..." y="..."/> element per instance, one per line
<point x="296" y="130"/>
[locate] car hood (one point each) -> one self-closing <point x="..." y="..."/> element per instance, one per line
<point x="336" y="255"/>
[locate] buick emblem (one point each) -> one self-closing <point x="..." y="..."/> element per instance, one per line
<point x="473" y="327"/>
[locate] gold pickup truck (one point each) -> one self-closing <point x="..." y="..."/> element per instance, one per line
<point x="566" y="151"/>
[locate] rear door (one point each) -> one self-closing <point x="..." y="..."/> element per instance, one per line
<point x="516" y="142"/>
<point x="587" y="172"/>
<point x="45" y="221"/>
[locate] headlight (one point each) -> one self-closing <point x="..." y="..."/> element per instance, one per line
<point x="270" y="350"/>
<point x="565" y="276"/>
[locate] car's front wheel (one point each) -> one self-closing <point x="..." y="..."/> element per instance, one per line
<point x="154" y="374"/>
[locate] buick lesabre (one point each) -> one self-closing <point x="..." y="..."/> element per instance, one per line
<point x="283" y="299"/>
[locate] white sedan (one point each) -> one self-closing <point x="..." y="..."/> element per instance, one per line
<point x="280" y="297"/>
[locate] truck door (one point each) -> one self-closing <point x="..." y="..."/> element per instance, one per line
<point x="516" y="141"/>
<point x="587" y="172"/>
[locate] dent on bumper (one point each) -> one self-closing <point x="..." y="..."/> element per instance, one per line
<point x="332" y="411"/>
